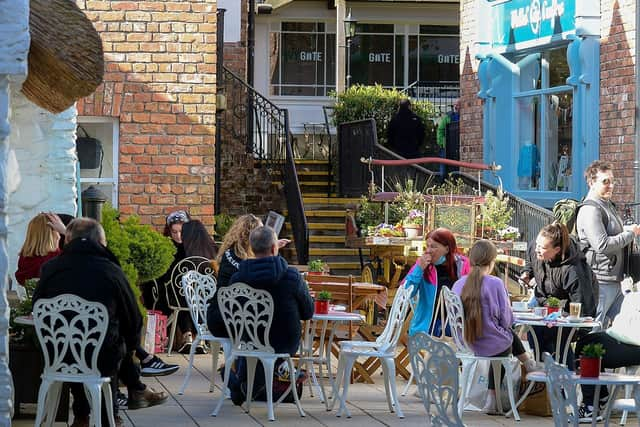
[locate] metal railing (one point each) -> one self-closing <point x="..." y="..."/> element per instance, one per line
<point x="441" y="94"/>
<point x="528" y="217"/>
<point x="263" y="127"/>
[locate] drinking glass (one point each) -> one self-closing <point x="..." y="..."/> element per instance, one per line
<point x="575" y="309"/>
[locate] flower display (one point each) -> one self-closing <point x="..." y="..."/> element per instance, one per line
<point x="385" y="230"/>
<point x="415" y="217"/>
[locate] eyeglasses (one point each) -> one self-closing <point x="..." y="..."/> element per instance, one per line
<point x="607" y="181"/>
<point x="177" y="216"/>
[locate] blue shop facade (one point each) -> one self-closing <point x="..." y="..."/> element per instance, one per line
<point x="539" y="82"/>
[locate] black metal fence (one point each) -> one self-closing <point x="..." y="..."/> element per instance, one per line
<point x="442" y="94"/>
<point x="263" y="127"/>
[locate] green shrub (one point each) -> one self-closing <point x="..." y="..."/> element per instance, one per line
<point x="223" y="223"/>
<point x="143" y="253"/>
<point x="364" y="102"/>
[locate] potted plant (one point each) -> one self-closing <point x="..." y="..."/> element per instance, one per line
<point x="495" y="214"/>
<point x="413" y="222"/>
<point x="553" y="304"/>
<point x="317" y="267"/>
<point x="322" y="302"/>
<point x="590" y="360"/>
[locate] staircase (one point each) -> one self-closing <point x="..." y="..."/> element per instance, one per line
<point x="325" y="218"/>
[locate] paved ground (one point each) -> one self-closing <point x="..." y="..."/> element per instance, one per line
<point x="366" y="402"/>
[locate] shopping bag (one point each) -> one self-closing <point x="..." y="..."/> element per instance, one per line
<point x="537" y="401"/>
<point x="476" y="395"/>
<point x="150" y="333"/>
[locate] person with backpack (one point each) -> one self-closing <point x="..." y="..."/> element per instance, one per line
<point x="604" y="238"/>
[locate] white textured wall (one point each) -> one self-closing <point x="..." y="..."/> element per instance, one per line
<point x="44" y="147"/>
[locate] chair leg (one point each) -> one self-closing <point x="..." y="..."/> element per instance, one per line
<point x="294" y="375"/>
<point x="173" y="320"/>
<point x="225" y="384"/>
<point x="42" y="401"/>
<point x="510" y="390"/>
<point x="468" y="366"/>
<point x="346" y="377"/>
<point x="385" y="378"/>
<point x="406" y="387"/>
<point x="215" y="353"/>
<point x="335" y="385"/>
<point x="95" y="418"/>
<point x="108" y="401"/>
<point x="192" y="354"/>
<point x="251" y="375"/>
<point x="53" y="400"/>
<point x="268" y="365"/>
<point x="392" y="386"/>
<point x="496" y="380"/>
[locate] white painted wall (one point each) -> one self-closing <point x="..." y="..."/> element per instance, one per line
<point x="44" y="147"/>
<point x="232" y="22"/>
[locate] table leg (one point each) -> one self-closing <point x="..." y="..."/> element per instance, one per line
<point x="596" y="405"/>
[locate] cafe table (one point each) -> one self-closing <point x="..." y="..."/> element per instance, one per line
<point x="316" y="345"/>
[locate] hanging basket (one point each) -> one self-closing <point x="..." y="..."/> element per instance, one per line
<point x="66" y="61"/>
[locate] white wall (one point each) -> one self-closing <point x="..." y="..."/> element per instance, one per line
<point x="232" y="20"/>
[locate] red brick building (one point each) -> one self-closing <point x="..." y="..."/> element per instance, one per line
<point x="155" y="111"/>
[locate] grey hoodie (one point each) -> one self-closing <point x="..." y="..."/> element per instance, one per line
<point x="605" y="246"/>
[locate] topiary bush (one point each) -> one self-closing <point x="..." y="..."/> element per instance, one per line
<point x="143" y="253"/>
<point x="364" y="102"/>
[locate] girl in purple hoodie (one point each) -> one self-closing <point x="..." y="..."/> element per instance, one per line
<point x="488" y="316"/>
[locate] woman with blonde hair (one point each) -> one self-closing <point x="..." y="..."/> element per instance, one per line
<point x="487" y="312"/>
<point x="40" y="245"/>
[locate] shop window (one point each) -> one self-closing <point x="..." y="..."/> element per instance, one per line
<point x="303" y="59"/>
<point x="99" y="160"/>
<point x="373" y="55"/>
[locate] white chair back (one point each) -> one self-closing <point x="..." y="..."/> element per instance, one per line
<point x="435" y="367"/>
<point x="561" y="388"/>
<point x="390" y="335"/>
<point x="247" y="314"/>
<point x="174" y="289"/>
<point x="198" y="290"/>
<point x="71" y="331"/>
<point x="455" y="317"/>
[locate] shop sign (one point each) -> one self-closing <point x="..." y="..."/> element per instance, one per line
<point x="532" y="22"/>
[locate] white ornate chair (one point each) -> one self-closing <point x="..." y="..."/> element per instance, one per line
<point x="199" y="289"/>
<point x="561" y="388"/>
<point x="455" y="317"/>
<point x="383" y="348"/>
<point x="435" y="368"/>
<point x="175" y="292"/>
<point x="71" y="331"/>
<point x="247" y="315"/>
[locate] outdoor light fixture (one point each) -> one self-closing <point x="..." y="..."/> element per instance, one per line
<point x="349" y="32"/>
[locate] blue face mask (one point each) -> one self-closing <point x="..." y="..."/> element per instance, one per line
<point x="440" y="260"/>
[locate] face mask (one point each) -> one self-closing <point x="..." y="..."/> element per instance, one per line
<point x="440" y="260"/>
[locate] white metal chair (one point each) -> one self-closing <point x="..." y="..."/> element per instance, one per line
<point x="199" y="289"/>
<point x="321" y="355"/>
<point x="435" y="368"/>
<point x="175" y="292"/>
<point x="71" y="331"/>
<point x="455" y="317"/>
<point x="561" y="388"/>
<point x="247" y="315"/>
<point x="383" y="348"/>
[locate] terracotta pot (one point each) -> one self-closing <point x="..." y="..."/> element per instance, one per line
<point x="315" y="273"/>
<point x="552" y="309"/>
<point x="590" y="367"/>
<point x="321" y="306"/>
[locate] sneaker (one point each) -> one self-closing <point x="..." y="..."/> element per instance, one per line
<point x="187" y="340"/>
<point x="156" y="367"/>
<point x="201" y="348"/>
<point x="145" y="398"/>
<point x="122" y="400"/>
<point x="80" y="421"/>
<point x="585" y="414"/>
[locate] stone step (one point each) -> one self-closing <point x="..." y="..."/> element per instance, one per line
<point x="326" y="239"/>
<point x="322" y="199"/>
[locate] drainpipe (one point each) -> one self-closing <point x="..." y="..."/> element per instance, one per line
<point x="636" y="161"/>
<point x="251" y="43"/>
<point x="219" y="111"/>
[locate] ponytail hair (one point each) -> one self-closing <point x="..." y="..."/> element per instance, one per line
<point x="558" y="235"/>
<point x="481" y="255"/>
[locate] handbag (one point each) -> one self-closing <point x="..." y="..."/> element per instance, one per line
<point x="632" y="261"/>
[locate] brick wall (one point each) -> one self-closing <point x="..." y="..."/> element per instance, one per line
<point x="470" y="104"/>
<point x="617" y="92"/>
<point x="160" y="65"/>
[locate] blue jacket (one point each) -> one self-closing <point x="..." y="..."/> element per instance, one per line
<point x="292" y="302"/>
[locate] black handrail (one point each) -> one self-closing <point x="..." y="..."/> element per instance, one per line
<point x="441" y="94"/>
<point x="263" y="128"/>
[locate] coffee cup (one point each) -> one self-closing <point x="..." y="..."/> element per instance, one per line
<point x="575" y="310"/>
<point x="540" y="311"/>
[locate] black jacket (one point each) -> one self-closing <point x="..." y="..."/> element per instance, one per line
<point x="571" y="279"/>
<point x="292" y="302"/>
<point x="229" y="265"/>
<point x="90" y="271"/>
<point x="405" y="134"/>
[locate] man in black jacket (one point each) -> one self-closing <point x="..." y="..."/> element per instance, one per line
<point x="86" y="268"/>
<point x="292" y="301"/>
<point x="405" y="132"/>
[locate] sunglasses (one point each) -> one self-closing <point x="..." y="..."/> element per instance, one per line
<point x="176" y="217"/>
<point x="607" y="181"/>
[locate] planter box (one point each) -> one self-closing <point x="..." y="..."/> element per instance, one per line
<point x="26" y="365"/>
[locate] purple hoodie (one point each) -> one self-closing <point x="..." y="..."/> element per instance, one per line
<point x="497" y="316"/>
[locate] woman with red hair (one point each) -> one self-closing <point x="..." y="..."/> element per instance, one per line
<point x="440" y="265"/>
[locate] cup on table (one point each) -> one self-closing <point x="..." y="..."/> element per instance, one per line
<point x="519" y="306"/>
<point x="575" y="309"/>
<point x="540" y="311"/>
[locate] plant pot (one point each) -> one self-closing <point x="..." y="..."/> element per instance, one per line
<point x="552" y="310"/>
<point x="590" y="367"/>
<point x="315" y="273"/>
<point x="412" y="232"/>
<point x="321" y="306"/>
